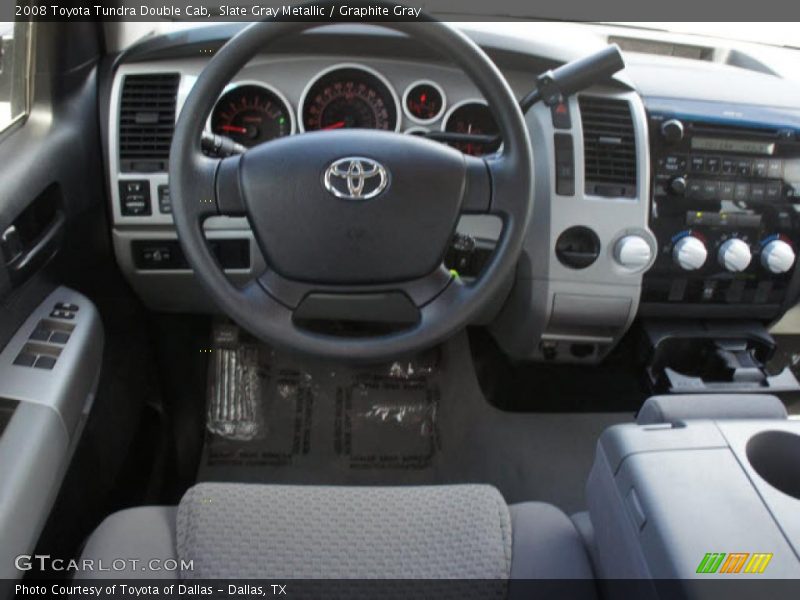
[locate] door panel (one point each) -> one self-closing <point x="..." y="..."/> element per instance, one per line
<point x="50" y="167"/>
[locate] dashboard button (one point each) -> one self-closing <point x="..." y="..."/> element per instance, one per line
<point x="775" y="169"/>
<point x="694" y="189"/>
<point x="743" y="168"/>
<point x="741" y="192"/>
<point x="773" y="191"/>
<point x="710" y="190"/>
<point x="760" y="167"/>
<point x="697" y="164"/>
<point x="728" y="166"/>
<point x="560" y="115"/>
<point x="726" y="190"/>
<point x="758" y="192"/>
<point x="712" y="164"/>
<point x="674" y="163"/>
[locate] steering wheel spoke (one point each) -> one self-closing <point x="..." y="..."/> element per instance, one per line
<point x="478" y="186"/>
<point x="228" y="190"/>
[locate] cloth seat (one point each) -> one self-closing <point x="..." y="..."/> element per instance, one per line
<point x="248" y="531"/>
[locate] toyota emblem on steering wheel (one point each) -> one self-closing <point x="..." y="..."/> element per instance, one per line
<point x="356" y="178"/>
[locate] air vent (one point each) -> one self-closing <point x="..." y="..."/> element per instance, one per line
<point x="147" y="121"/>
<point x="609" y="147"/>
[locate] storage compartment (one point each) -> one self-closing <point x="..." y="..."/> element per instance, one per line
<point x="696" y="357"/>
<point x="775" y="456"/>
<point x="664" y="499"/>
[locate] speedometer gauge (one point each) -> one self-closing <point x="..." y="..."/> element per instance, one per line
<point x="349" y="97"/>
<point x="251" y="114"/>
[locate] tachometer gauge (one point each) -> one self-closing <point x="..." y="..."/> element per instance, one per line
<point x="251" y="114"/>
<point x="424" y="101"/>
<point x="474" y="118"/>
<point x="349" y="97"/>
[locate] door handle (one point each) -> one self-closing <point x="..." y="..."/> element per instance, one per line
<point x="27" y="259"/>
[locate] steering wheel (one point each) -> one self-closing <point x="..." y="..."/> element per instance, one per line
<point x="353" y="224"/>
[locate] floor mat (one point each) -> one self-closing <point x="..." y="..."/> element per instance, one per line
<point x="274" y="418"/>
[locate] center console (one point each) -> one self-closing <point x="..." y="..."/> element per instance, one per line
<point x="708" y="500"/>
<point x="726" y="195"/>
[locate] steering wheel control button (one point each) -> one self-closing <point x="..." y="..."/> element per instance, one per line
<point x="578" y="247"/>
<point x="356" y="178"/>
<point x="134" y="197"/>
<point x="734" y="255"/>
<point x="633" y="252"/>
<point x="689" y="253"/>
<point x="777" y="257"/>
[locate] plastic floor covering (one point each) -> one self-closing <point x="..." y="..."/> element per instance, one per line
<point x="272" y="418"/>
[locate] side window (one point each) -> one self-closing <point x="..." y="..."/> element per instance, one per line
<point x="15" y="63"/>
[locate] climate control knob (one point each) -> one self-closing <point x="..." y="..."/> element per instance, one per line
<point x="734" y="255"/>
<point x="777" y="257"/>
<point x="689" y="253"/>
<point x="633" y="252"/>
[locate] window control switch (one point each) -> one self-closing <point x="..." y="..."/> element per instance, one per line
<point x="45" y="362"/>
<point x="59" y="337"/>
<point x="41" y="334"/>
<point x="25" y="359"/>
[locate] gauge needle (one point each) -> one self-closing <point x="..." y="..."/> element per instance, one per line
<point x="233" y="128"/>
<point x="337" y="125"/>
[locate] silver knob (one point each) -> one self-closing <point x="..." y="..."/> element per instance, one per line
<point x="734" y="255"/>
<point x="689" y="253"/>
<point x="672" y="131"/>
<point x="777" y="257"/>
<point x="633" y="252"/>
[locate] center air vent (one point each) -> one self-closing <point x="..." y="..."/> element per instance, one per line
<point x="147" y="121"/>
<point x="609" y="147"/>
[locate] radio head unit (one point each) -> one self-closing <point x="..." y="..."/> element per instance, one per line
<point x="725" y="210"/>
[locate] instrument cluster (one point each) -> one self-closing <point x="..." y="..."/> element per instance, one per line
<point x="350" y="95"/>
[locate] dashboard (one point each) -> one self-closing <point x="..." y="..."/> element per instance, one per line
<point x="666" y="193"/>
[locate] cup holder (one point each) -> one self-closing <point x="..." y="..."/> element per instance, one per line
<point x="775" y="456"/>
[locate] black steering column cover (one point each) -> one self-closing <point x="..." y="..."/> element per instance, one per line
<point x="326" y="264"/>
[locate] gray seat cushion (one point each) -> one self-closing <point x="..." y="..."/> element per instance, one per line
<point x="306" y="532"/>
